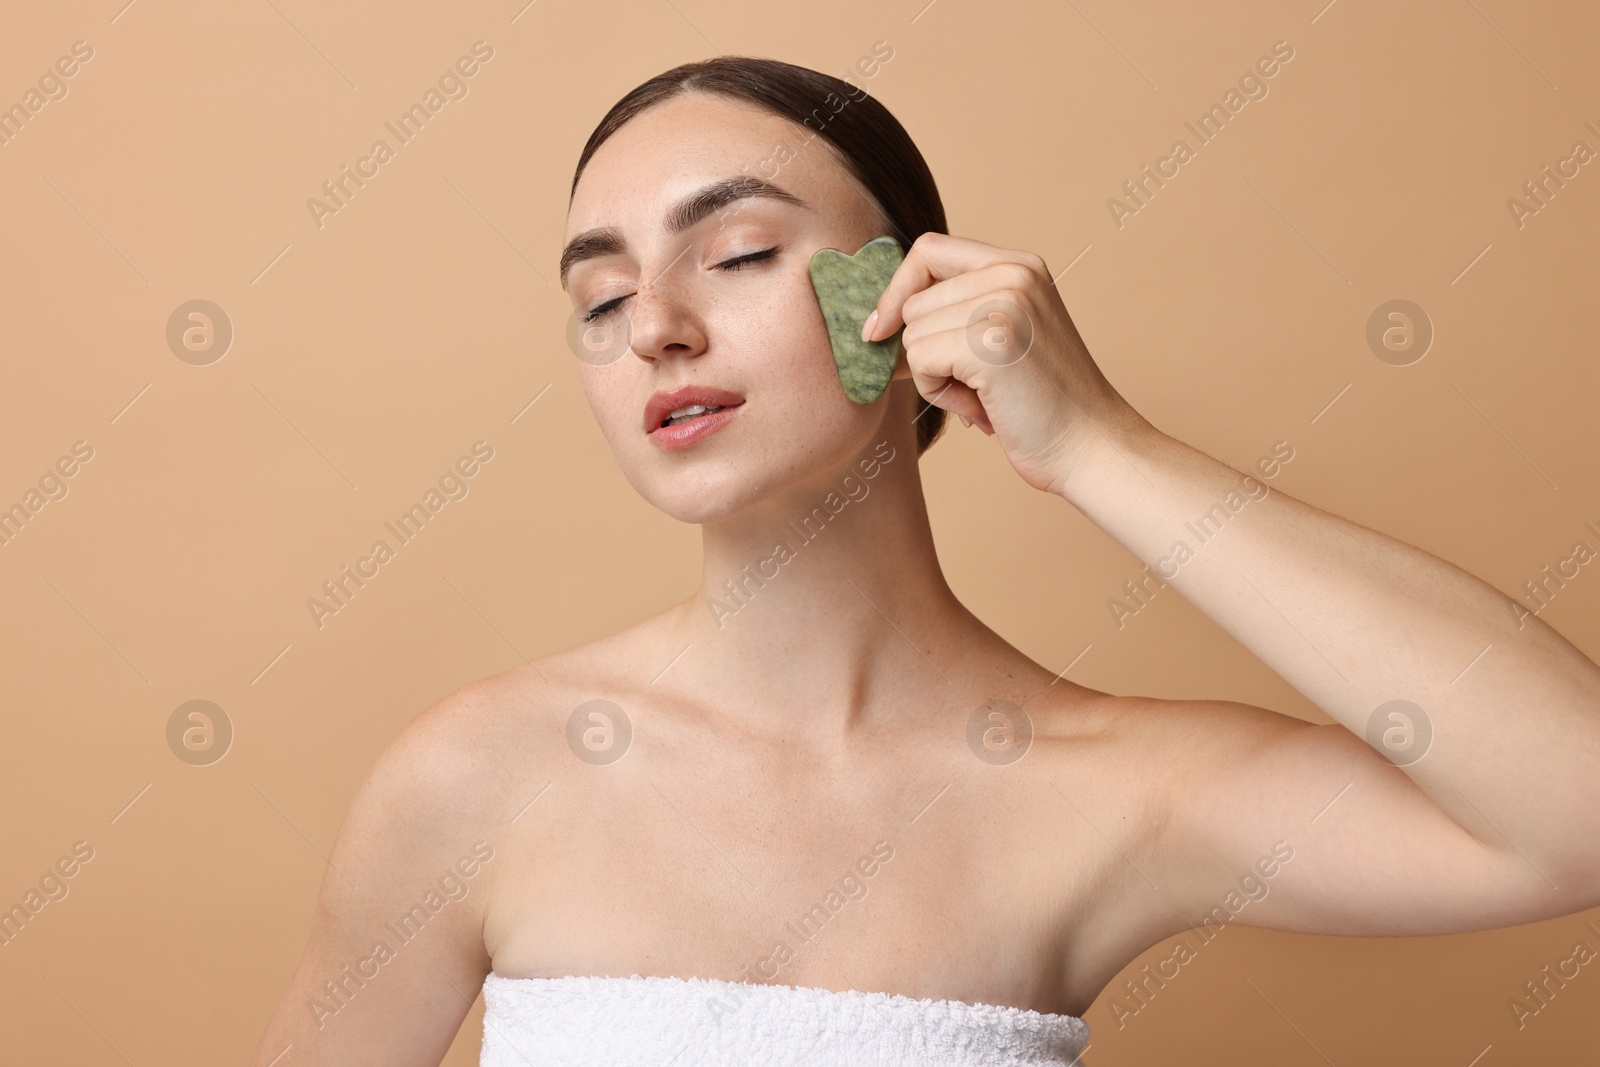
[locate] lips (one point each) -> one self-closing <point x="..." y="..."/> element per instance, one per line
<point x="661" y="405"/>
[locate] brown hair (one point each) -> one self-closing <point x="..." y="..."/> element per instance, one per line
<point x="867" y="138"/>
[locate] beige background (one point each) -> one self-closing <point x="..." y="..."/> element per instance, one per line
<point x="370" y="353"/>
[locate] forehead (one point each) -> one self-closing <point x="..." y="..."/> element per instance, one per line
<point x="676" y="147"/>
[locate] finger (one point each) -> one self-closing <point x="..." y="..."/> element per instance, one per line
<point x="963" y="315"/>
<point x="933" y="257"/>
<point x="957" y="398"/>
<point x="1009" y="276"/>
<point x="934" y="372"/>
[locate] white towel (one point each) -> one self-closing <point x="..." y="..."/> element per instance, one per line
<point x="690" y="1022"/>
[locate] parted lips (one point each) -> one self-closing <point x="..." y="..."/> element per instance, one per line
<point x="848" y="288"/>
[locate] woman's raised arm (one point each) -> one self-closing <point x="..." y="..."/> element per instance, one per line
<point x="1493" y="715"/>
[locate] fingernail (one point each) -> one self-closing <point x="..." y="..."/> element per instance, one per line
<point x="866" y="327"/>
<point x="965" y="421"/>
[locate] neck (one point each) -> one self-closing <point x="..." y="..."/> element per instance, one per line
<point x="826" y="600"/>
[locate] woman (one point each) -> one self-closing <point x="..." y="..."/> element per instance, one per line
<point x="819" y="812"/>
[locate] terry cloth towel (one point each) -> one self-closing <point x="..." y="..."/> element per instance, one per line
<point x="698" y="1022"/>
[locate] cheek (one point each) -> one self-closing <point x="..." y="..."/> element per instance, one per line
<point x="787" y="356"/>
<point x="610" y="390"/>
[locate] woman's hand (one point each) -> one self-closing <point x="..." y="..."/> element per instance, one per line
<point x="988" y="338"/>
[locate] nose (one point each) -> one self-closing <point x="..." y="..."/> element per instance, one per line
<point x="663" y="316"/>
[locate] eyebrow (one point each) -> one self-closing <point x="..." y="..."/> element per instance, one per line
<point x="608" y="241"/>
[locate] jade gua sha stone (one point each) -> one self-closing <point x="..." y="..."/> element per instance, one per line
<point x="848" y="288"/>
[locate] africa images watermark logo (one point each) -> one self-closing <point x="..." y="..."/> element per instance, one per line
<point x="599" y="732"/>
<point x="1204" y="527"/>
<point x="52" y="485"/>
<point x="52" y="87"/>
<point x="1252" y="85"/>
<point x="453" y="485"/>
<point x="450" y="887"/>
<point x="53" y="886"/>
<point x="453" y="84"/>
<point x="1250" y="887"/>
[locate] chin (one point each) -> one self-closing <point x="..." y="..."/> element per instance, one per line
<point x="701" y="513"/>
<point x="704" y="489"/>
<point x="701" y="500"/>
<point x="752" y="461"/>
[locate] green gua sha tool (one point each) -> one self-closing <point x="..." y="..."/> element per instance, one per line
<point x="848" y="288"/>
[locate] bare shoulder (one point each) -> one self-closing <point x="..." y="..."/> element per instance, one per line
<point x="481" y="745"/>
<point x="441" y="785"/>
<point x="476" y="746"/>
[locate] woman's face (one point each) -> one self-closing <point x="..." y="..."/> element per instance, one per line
<point x="719" y="299"/>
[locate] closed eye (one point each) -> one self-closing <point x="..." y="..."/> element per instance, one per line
<point x="736" y="263"/>
<point x="601" y="310"/>
<point x="739" y="261"/>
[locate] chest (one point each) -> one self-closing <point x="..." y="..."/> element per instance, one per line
<point x="930" y="878"/>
